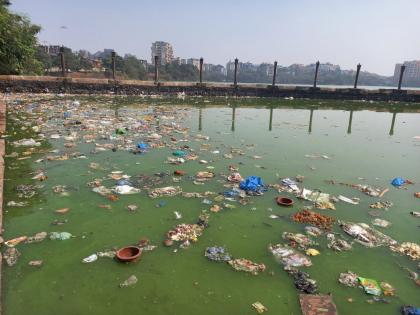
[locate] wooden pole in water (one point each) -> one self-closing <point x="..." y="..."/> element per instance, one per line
<point x="201" y="69"/>
<point x="402" y="69"/>
<point x="235" y="82"/>
<point x="274" y="73"/>
<point x="357" y="75"/>
<point x="63" y="63"/>
<point x="156" y="69"/>
<point x="316" y="73"/>
<point x="113" y="54"/>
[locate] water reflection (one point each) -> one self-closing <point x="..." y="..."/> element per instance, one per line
<point x="310" y="120"/>
<point x="200" y="119"/>
<point x="270" y="124"/>
<point x="391" y="131"/>
<point x="350" y="122"/>
<point x="233" y="118"/>
<point x="271" y="115"/>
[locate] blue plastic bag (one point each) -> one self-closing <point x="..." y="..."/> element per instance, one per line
<point x="252" y="183"/>
<point x="410" y="310"/>
<point x="398" y="181"/>
<point x="143" y="146"/>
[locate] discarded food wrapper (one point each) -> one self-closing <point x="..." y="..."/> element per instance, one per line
<point x="370" y="286"/>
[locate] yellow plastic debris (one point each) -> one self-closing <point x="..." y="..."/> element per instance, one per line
<point x="312" y="252"/>
<point x="259" y="307"/>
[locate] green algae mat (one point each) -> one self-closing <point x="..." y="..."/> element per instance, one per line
<point x="108" y="172"/>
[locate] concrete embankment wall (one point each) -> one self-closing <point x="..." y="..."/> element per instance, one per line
<point x="34" y="84"/>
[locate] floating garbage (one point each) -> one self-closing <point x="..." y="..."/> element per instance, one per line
<point x="312" y="252"/>
<point x="253" y="185"/>
<point x="349" y="279"/>
<point x="409" y="249"/>
<point x="338" y="244"/>
<point x="242" y="264"/>
<point x="90" y="259"/>
<point x="321" y="200"/>
<point x="125" y="190"/>
<point x="165" y="191"/>
<point x="302" y="280"/>
<point x="15" y="241"/>
<point x="365" y="235"/>
<point x="370" y="286"/>
<point x="132" y="280"/>
<point x="353" y="201"/>
<point x="319" y="220"/>
<point x="129" y="253"/>
<point x="62" y="210"/>
<point x="179" y="153"/>
<point x="410" y="310"/>
<point x="185" y="232"/>
<point x="313" y="231"/>
<point x="26" y="143"/>
<point x="38" y="237"/>
<point x="381" y="223"/>
<point x="62" y="236"/>
<point x="399" y="181"/>
<point x="288" y="256"/>
<point x="259" y="307"/>
<point x="217" y="253"/>
<point x="11" y="256"/>
<point x="381" y="205"/>
<point x="312" y="304"/>
<point x="35" y="263"/>
<point x="298" y="239"/>
<point x="387" y="289"/>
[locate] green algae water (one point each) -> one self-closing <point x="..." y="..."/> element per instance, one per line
<point x="276" y="138"/>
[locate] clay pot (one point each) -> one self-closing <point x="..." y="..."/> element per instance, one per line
<point x="284" y="201"/>
<point x="129" y="253"/>
<point x="168" y="242"/>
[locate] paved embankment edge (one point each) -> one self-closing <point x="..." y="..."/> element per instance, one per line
<point x="46" y="84"/>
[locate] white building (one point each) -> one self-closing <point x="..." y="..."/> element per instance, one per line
<point x="164" y="51"/>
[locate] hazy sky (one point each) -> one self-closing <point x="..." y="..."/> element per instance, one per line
<point x="376" y="33"/>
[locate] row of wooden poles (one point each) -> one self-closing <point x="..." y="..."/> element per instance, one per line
<point x="235" y="80"/>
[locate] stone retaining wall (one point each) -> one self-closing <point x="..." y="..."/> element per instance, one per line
<point x="33" y="84"/>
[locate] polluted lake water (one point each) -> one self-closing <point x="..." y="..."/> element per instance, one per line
<point x="209" y="206"/>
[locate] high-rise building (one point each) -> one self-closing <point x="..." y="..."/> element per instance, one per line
<point x="193" y="61"/>
<point x="412" y="70"/>
<point x="164" y="51"/>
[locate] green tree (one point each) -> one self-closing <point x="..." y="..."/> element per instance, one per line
<point x="133" y="68"/>
<point x="17" y="43"/>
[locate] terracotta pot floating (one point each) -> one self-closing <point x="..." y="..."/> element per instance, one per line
<point x="129" y="253"/>
<point x="284" y="201"/>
